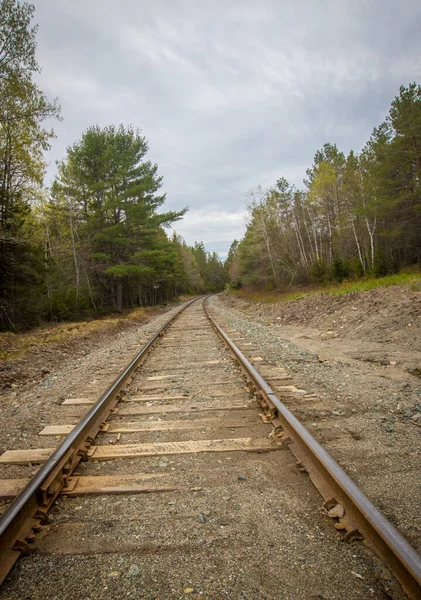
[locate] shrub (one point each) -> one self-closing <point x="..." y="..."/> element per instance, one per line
<point x="232" y="285"/>
<point x="382" y="265"/>
<point x="340" y="270"/>
<point x="356" y="269"/>
<point x="318" y="272"/>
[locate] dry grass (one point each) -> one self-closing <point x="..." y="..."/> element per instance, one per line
<point x="17" y="345"/>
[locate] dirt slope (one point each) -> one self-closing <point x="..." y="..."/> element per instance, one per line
<point x="384" y="324"/>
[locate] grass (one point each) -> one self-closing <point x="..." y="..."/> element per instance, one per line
<point x="363" y="285"/>
<point x="17" y="345"/>
<point x="347" y="287"/>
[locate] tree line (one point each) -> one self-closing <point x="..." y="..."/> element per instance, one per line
<point x="95" y="242"/>
<point x="358" y="214"/>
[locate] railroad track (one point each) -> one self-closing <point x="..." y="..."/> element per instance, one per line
<point x="192" y="424"/>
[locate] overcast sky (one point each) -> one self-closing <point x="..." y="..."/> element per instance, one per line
<point x="229" y="94"/>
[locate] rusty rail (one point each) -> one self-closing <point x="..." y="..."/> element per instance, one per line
<point x="28" y="511"/>
<point x="362" y="520"/>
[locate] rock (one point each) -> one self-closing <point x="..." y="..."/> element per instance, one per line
<point x="392" y="362"/>
<point x="337" y="512"/>
<point x="357" y="575"/>
<point x="340" y="526"/>
<point x="201" y="518"/>
<point x="189" y="590"/>
<point x="45" y="370"/>
<point x="114" y="574"/>
<point x="133" y="571"/>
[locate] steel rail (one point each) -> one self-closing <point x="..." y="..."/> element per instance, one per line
<point x="362" y="519"/>
<point x="28" y="511"/>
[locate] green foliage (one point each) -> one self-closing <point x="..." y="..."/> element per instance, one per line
<point x="232" y="266"/>
<point x="128" y="271"/>
<point x="211" y="269"/>
<point x="382" y="265"/>
<point x="17" y="39"/>
<point x="21" y="280"/>
<point x="111" y="191"/>
<point x="356" y="270"/>
<point x="100" y="257"/>
<point x="232" y="286"/>
<point x="187" y="277"/>
<point x="340" y="270"/>
<point x="200" y="255"/>
<point x="67" y="304"/>
<point x="359" y="214"/>
<point x="318" y="272"/>
<point x="23" y="140"/>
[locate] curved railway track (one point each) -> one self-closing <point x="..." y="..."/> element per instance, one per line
<point x="192" y="423"/>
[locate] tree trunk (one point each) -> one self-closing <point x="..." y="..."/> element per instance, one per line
<point x="357" y="241"/>
<point x="330" y="239"/>
<point x="72" y="237"/>
<point x="300" y="243"/>
<point x="371" y="229"/>
<point x="267" y="241"/>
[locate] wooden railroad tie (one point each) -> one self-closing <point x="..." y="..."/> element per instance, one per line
<point x="40" y="455"/>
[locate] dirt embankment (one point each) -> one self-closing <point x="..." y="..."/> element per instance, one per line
<point x="381" y="325"/>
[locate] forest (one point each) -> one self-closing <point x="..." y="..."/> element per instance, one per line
<point x="358" y="215"/>
<point x="94" y="242"/>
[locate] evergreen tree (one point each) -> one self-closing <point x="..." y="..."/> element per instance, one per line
<point x="112" y="191"/>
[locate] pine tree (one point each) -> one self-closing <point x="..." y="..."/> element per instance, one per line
<point x="113" y="192"/>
